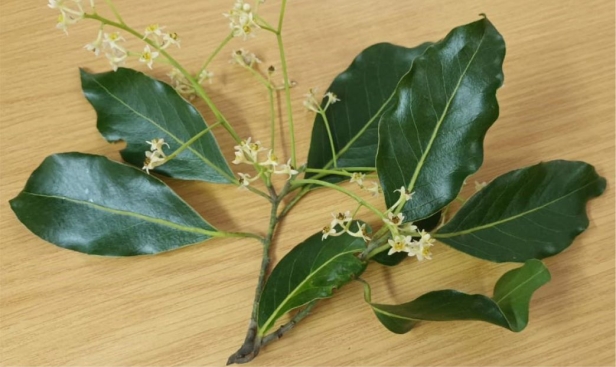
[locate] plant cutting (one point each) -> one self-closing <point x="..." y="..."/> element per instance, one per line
<point x="405" y="124"/>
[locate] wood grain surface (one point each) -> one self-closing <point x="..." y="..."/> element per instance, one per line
<point x="191" y="307"/>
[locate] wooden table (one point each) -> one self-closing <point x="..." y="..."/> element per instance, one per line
<point x="190" y="307"/>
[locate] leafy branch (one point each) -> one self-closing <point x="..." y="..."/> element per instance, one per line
<point x="413" y="118"/>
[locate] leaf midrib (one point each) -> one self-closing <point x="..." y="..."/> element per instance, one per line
<point x="541" y="271"/>
<point x="178" y="140"/>
<point x="128" y="214"/>
<point x="394" y="315"/>
<point x="273" y="318"/>
<point x="442" y="118"/>
<point x="493" y="224"/>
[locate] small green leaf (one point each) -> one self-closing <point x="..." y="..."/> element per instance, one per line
<point x="135" y="108"/>
<point x="431" y="139"/>
<point x="365" y="88"/>
<point x="396" y="258"/>
<point x="530" y="213"/>
<point x="311" y="271"/>
<point x="508" y="307"/>
<point x="93" y="205"/>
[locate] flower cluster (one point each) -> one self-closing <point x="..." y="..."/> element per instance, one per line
<point x="248" y="152"/>
<point x="161" y="39"/>
<point x="312" y="103"/>
<point x="358" y="178"/>
<point x="155" y="156"/>
<point x="71" y="11"/>
<point x="109" y="43"/>
<point x="419" y="248"/>
<point x="242" y="20"/>
<point x="183" y="86"/>
<point x="244" y="58"/>
<point x="340" y="225"/>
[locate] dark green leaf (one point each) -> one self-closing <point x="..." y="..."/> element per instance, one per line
<point x="311" y="271"/>
<point x="365" y="89"/>
<point x="508" y="307"/>
<point x="90" y="204"/>
<point x="396" y="258"/>
<point x="530" y="213"/>
<point x="431" y="138"/>
<point x="136" y="108"/>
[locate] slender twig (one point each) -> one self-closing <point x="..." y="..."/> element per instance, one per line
<point x="216" y="51"/>
<point x="252" y="343"/>
<point x="343" y="190"/>
<point x="289" y="325"/>
<point x="297" y="198"/>
<point x="287" y="87"/>
<point x="115" y="11"/>
<point x="329" y="136"/>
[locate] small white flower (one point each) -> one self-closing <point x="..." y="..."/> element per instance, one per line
<point x="64" y="21"/>
<point x="286" y="169"/>
<point x="400" y="244"/>
<point x="480" y="185"/>
<point x="110" y="40"/>
<point x="157" y="144"/>
<point x="331" y="98"/>
<point x="96" y="45"/>
<point x="271" y="161"/>
<point x="247" y="151"/>
<point x="245" y="179"/>
<point x="408" y="228"/>
<point x="71" y="12"/>
<point x="422" y="247"/>
<point x="330" y="231"/>
<point x="148" y="56"/>
<point x="359" y="178"/>
<point x="241" y="20"/>
<point x="253" y="149"/>
<point x="341" y="219"/>
<point x="170" y="39"/>
<point x="361" y="232"/>
<point x="153" y="160"/>
<point x="240" y="157"/>
<point x="244" y="58"/>
<point x="405" y="195"/>
<point x="205" y="75"/>
<point x="116" y="60"/>
<point x="181" y="84"/>
<point x="394" y="219"/>
<point x="375" y="190"/>
<point x="153" y="29"/>
<point x="311" y="101"/>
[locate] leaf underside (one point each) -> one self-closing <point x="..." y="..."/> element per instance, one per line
<point x="431" y="139"/>
<point x="508" y="308"/>
<point x="529" y="213"/>
<point x="135" y="108"/>
<point x="90" y="204"/>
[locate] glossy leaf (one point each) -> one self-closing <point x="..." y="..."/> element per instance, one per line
<point x="90" y="204"/>
<point x="431" y="139"/>
<point x="311" y="271"/>
<point x="365" y="89"/>
<point x="530" y="213"/>
<point x="396" y="258"/>
<point x="508" y="307"/>
<point x="135" y="108"/>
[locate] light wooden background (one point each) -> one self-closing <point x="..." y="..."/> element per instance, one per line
<point x="191" y="307"/>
